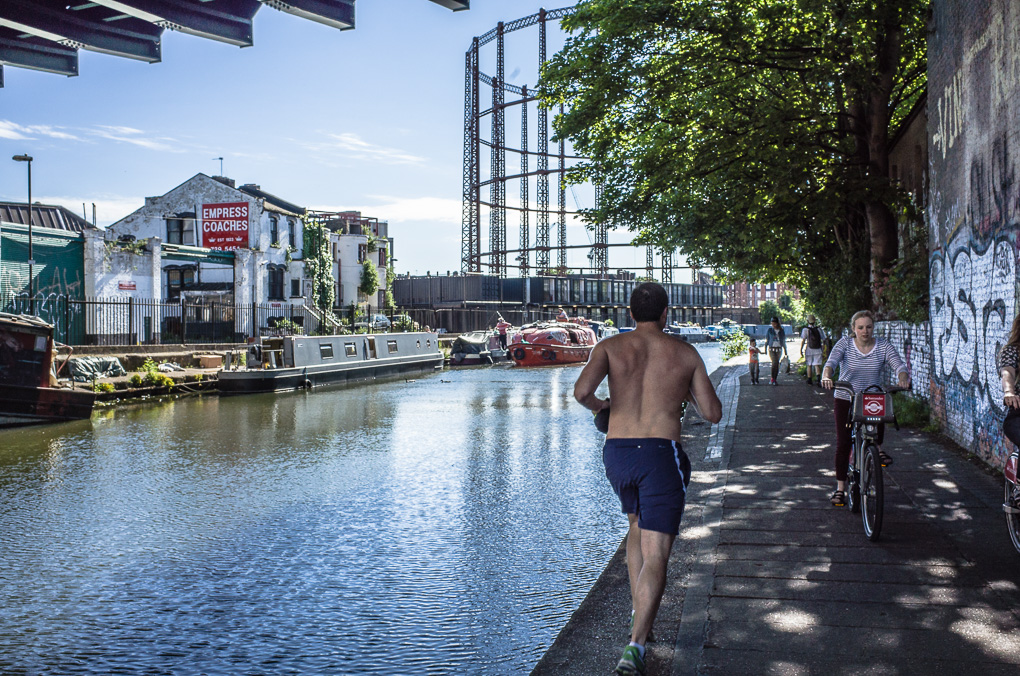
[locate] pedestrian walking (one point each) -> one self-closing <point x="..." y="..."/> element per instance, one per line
<point x="651" y="375"/>
<point x="752" y="364"/>
<point x="775" y="343"/>
<point x="811" y="349"/>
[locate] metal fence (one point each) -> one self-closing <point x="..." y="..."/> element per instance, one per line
<point x="132" y="321"/>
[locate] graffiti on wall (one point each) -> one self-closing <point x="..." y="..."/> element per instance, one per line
<point x="972" y="307"/>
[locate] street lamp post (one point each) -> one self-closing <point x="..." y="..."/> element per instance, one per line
<point x="31" y="260"/>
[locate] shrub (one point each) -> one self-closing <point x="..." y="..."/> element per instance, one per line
<point x="135" y="380"/>
<point x="911" y="412"/>
<point x="102" y="387"/>
<point x="734" y="345"/>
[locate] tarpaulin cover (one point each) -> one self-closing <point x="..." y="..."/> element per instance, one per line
<point x="87" y="369"/>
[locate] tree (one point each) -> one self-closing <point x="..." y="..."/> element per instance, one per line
<point x="318" y="264"/>
<point x="369" y="278"/>
<point x="751" y="135"/>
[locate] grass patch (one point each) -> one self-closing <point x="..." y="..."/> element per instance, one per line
<point x="915" y="413"/>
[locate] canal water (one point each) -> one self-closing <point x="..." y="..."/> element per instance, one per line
<point x="445" y="525"/>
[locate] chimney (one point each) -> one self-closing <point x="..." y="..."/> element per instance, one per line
<point x="229" y="182"/>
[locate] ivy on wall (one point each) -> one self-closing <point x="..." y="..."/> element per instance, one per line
<point x="319" y="264"/>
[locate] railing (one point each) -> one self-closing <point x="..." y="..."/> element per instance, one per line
<point x="133" y="321"/>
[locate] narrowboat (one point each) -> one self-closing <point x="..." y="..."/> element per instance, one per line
<point x="688" y="334"/>
<point x="552" y="344"/>
<point x="296" y="362"/>
<point x="28" y="384"/>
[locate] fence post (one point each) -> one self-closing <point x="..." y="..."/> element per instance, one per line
<point x="131" y="318"/>
<point x="184" y="322"/>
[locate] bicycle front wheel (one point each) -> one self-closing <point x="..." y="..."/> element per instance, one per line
<point x="1012" y="501"/>
<point x="872" y="493"/>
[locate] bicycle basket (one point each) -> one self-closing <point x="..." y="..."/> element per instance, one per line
<point x="873" y="407"/>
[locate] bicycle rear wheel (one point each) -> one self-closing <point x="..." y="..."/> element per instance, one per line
<point x="1012" y="500"/>
<point x="872" y="493"/>
<point x="853" y="487"/>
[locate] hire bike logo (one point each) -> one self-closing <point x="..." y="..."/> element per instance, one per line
<point x="874" y="405"/>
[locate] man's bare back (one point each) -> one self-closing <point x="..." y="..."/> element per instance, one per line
<point x="650" y="376"/>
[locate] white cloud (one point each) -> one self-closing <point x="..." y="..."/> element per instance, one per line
<point x="352" y="146"/>
<point x="18" y="132"/>
<point x="136" y="137"/>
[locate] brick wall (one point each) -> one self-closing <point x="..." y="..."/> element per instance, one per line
<point x="973" y="213"/>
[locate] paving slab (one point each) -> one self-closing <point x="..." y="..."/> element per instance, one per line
<point x="768" y="578"/>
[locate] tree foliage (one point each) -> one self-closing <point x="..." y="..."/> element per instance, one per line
<point x="752" y="135"/>
<point x="369" y="278"/>
<point x="318" y="264"/>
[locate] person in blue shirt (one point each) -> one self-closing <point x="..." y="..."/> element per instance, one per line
<point x="775" y="342"/>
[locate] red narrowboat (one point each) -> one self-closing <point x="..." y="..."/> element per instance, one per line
<point x="552" y="344"/>
<point x="28" y="392"/>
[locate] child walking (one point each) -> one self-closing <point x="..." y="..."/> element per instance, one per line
<point x="752" y="365"/>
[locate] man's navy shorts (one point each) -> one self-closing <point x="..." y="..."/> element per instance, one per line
<point x="650" y="476"/>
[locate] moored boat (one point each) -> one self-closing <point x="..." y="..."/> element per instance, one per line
<point x="28" y="385"/>
<point x="471" y="349"/>
<point x="552" y="343"/>
<point x="295" y="362"/>
<point x="688" y="334"/>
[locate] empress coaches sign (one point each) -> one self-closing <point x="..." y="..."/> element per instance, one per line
<point x="225" y="226"/>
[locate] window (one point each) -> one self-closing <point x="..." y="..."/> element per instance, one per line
<point x="391" y="345"/>
<point x="326" y="350"/>
<point x="177" y="279"/>
<point x="350" y="350"/>
<point x="175" y="231"/>
<point x="295" y="288"/>
<point x="382" y="257"/>
<point x="274" y="230"/>
<point x="276" y="283"/>
<point x="362" y="252"/>
<point x="292" y="232"/>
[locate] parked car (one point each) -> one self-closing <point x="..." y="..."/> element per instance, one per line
<point x="404" y="323"/>
<point x="374" y="323"/>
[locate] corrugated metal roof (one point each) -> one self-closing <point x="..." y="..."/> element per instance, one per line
<point x="47" y="34"/>
<point x="43" y="216"/>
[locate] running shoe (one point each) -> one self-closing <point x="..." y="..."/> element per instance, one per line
<point x="631" y="663"/>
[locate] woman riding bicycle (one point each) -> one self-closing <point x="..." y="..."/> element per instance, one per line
<point x="860" y="358"/>
<point x="1008" y="360"/>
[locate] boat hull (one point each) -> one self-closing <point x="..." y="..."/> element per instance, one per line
<point x="275" y="380"/>
<point x="529" y="354"/>
<point x="23" y="405"/>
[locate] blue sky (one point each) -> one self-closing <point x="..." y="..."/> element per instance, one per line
<point x="368" y="119"/>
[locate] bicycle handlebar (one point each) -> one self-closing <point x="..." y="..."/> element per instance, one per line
<point x="846" y="386"/>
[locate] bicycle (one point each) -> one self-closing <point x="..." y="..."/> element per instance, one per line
<point x="865" y="489"/>
<point x="1011" y="502"/>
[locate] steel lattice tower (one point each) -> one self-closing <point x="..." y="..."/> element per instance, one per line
<point x="470" y="241"/>
<point x="542" y="229"/>
<point x="497" y="184"/>
<point x="600" y="251"/>
<point x="667" y="265"/>
<point x="492" y="257"/>
<point x="561" y="202"/>
<point x="525" y="244"/>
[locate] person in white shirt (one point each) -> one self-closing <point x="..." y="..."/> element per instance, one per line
<point x="811" y="338"/>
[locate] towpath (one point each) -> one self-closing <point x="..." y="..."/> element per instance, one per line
<point x="767" y="578"/>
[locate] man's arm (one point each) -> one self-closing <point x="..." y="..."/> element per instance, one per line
<point x="703" y="395"/>
<point x="592" y="375"/>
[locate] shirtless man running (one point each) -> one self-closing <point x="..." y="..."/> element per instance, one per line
<point x="650" y="374"/>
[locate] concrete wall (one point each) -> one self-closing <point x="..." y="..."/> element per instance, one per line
<point x="973" y="213"/>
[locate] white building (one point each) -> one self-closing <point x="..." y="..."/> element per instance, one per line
<point x="264" y="232"/>
<point x="353" y="240"/>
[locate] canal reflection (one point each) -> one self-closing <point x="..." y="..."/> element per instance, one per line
<point x="446" y="525"/>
